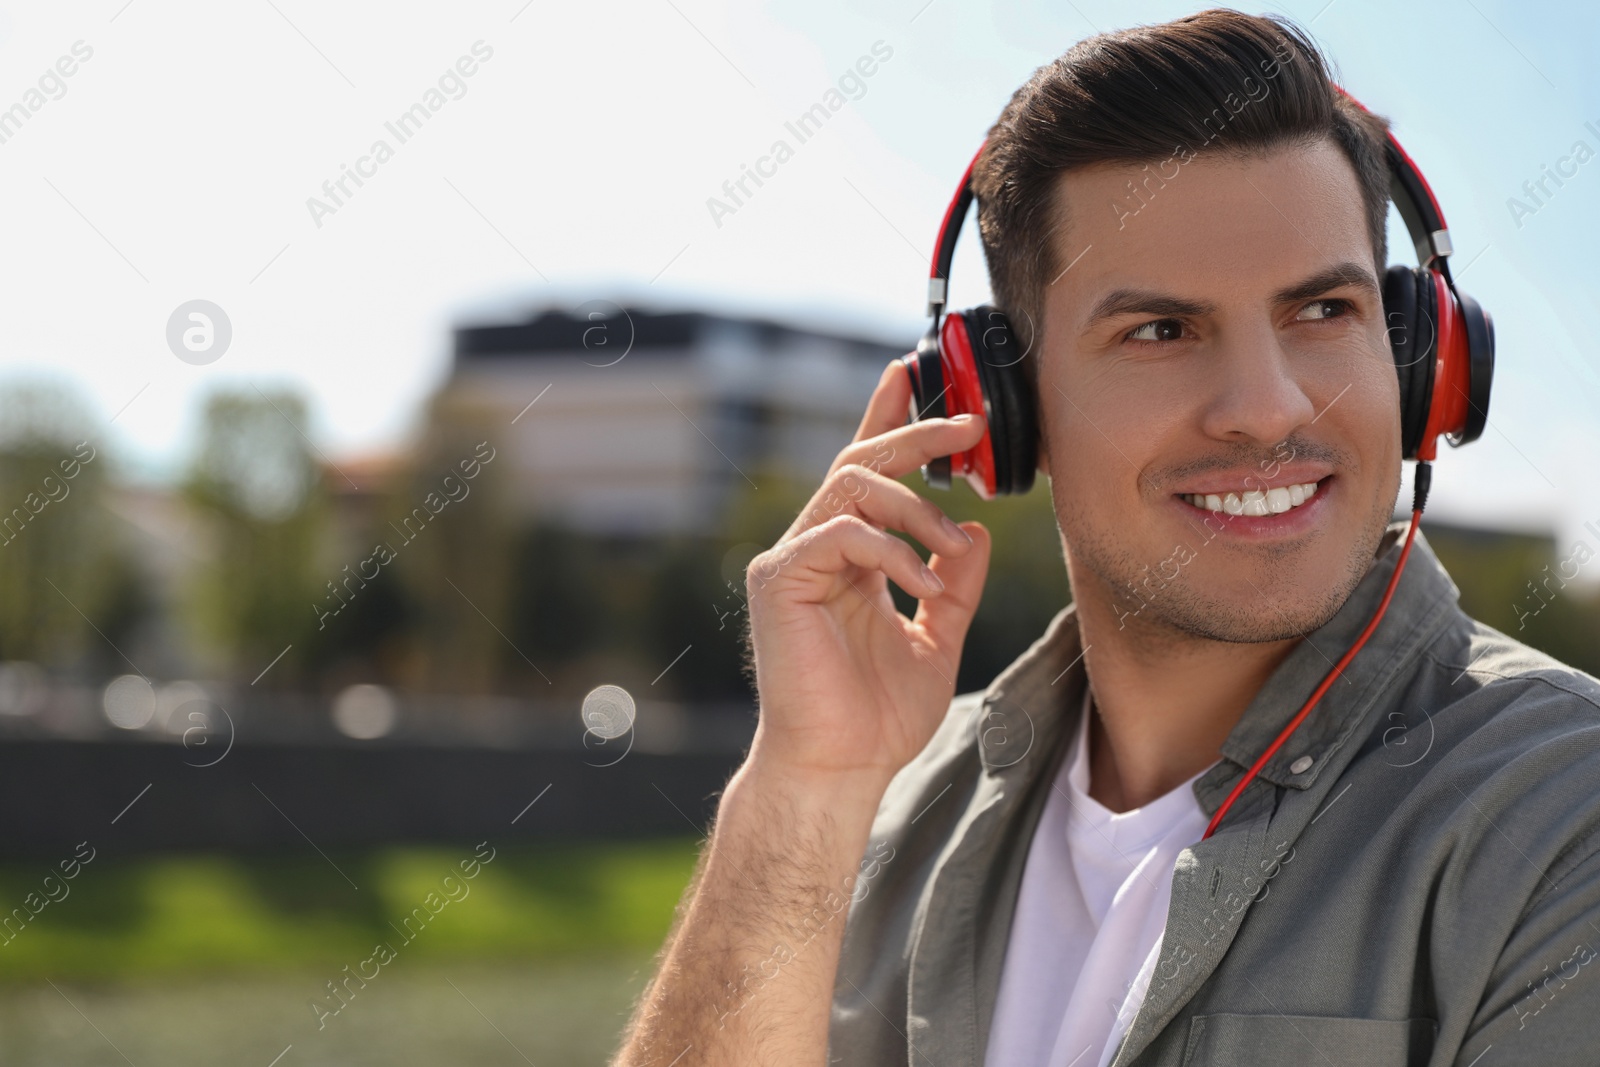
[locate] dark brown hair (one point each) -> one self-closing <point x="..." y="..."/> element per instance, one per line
<point x="1219" y="80"/>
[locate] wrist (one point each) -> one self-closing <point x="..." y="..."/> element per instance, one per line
<point x="835" y="791"/>
<point x="822" y="817"/>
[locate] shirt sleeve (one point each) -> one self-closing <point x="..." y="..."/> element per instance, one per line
<point x="1542" y="1002"/>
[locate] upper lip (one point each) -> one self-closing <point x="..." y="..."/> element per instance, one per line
<point x="1245" y="479"/>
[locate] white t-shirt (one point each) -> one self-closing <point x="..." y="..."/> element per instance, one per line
<point x="1090" y="913"/>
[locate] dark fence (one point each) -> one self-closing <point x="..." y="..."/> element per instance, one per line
<point x="136" y="798"/>
<point x="271" y="775"/>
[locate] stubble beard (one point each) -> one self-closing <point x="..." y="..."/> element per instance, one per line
<point x="1180" y="608"/>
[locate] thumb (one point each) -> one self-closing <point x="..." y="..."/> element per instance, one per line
<point x="946" y="617"/>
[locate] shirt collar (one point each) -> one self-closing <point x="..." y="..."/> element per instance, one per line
<point x="1030" y="706"/>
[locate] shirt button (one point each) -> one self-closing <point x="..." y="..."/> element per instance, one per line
<point x="1301" y="765"/>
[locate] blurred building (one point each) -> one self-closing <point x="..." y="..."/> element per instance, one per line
<point x="631" y="422"/>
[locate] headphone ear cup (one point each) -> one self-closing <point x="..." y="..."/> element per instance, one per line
<point x="1406" y="343"/>
<point x="1014" y="428"/>
<point x="995" y="405"/>
<point x="1426" y="351"/>
<point x="926" y="370"/>
<point x="1479" y="327"/>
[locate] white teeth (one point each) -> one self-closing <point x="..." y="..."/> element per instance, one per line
<point x="1255" y="501"/>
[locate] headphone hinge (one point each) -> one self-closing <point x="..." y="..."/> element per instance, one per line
<point x="1440" y="242"/>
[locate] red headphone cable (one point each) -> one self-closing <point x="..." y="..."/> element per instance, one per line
<point x="1424" y="477"/>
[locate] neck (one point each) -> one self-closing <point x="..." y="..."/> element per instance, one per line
<point x="1164" y="701"/>
<point x="1162" y="710"/>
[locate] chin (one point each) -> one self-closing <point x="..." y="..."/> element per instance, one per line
<point x="1254" y="601"/>
<point x="1253" y="619"/>
<point x="1234" y="593"/>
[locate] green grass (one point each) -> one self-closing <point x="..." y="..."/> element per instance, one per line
<point x="184" y="916"/>
<point x="552" y="1013"/>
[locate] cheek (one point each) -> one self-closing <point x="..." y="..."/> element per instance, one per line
<point x="1364" y="425"/>
<point x="1375" y="415"/>
<point x="1089" y="473"/>
<point x="1363" y="361"/>
<point x="1102" y="430"/>
<point x="1354" y="394"/>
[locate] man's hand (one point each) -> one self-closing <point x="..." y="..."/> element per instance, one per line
<point x="850" y="691"/>
<point x="848" y="685"/>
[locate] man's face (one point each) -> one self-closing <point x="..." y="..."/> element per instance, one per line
<point x="1226" y="335"/>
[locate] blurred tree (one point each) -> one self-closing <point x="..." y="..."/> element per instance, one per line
<point x="1568" y="628"/>
<point x="692" y="604"/>
<point x="1511" y="581"/>
<point x="453" y="532"/>
<point x="255" y="482"/>
<point x="560" y="601"/>
<point x="59" y="574"/>
<point x="374" y="638"/>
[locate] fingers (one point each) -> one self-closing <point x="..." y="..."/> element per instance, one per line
<point x="884" y="502"/>
<point x="900" y="451"/>
<point x="810" y="560"/>
<point x="947" y="617"/>
<point x="885" y="442"/>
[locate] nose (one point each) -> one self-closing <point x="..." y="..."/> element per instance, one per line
<point x="1254" y="394"/>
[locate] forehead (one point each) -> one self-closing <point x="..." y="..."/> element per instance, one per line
<point x="1222" y="227"/>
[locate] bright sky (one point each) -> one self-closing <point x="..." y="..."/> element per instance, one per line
<point x="575" y="162"/>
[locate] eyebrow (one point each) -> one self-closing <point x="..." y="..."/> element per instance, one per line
<point x="1148" y="302"/>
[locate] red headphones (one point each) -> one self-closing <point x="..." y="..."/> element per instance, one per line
<point x="1442" y="342"/>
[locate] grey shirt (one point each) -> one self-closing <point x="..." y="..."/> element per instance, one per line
<point x="1413" y="878"/>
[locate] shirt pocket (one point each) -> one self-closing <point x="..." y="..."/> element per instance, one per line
<point x="1308" y="1041"/>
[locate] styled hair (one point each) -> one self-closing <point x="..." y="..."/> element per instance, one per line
<point x="1216" y="81"/>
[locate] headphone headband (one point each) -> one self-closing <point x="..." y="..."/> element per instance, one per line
<point x="1412" y="195"/>
<point x="945" y="249"/>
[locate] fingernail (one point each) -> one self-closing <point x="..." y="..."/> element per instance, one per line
<point x="965" y="418"/>
<point x="955" y="531"/>
<point x="932" y="578"/>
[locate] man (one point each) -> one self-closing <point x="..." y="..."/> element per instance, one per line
<point x="1018" y="876"/>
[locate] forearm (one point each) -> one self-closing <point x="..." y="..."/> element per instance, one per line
<point x="747" y="974"/>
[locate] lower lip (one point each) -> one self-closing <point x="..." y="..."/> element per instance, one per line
<point x="1291" y="523"/>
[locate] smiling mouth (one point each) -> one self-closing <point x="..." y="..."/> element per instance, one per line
<point x="1255" y="501"/>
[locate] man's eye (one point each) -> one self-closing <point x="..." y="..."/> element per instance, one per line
<point x="1328" y="309"/>
<point x="1156" y="331"/>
